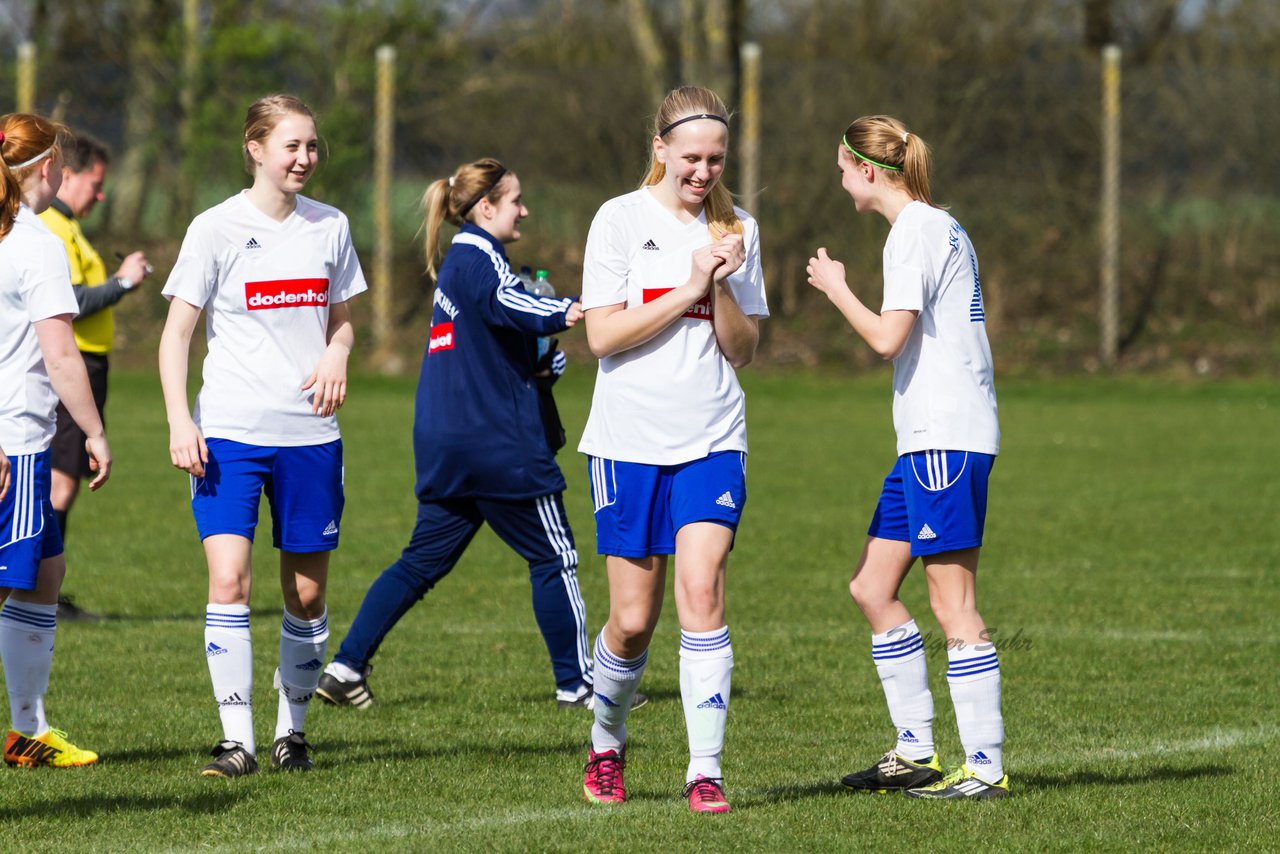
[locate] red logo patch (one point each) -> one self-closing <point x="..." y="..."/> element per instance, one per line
<point x="700" y="310"/>
<point x="286" y="293"/>
<point x="441" y="338"/>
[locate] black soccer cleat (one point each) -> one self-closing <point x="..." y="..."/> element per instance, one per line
<point x="893" y="773"/>
<point x="292" y="753"/>
<point x="340" y="692"/>
<point x="230" y="760"/>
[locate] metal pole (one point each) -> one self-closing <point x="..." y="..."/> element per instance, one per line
<point x="384" y="144"/>
<point x="750" y="124"/>
<point x="1110" y="220"/>
<point x="26" y="88"/>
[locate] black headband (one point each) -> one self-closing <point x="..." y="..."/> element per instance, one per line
<point x="666" y="130"/>
<point x="502" y="170"/>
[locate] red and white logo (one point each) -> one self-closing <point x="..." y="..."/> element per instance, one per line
<point x="286" y="293"/>
<point x="700" y="310"/>
<point x="441" y="338"/>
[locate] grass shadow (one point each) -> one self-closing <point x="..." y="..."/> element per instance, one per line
<point x="206" y="802"/>
<point x="1116" y="777"/>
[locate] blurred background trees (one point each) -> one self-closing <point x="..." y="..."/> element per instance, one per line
<point x="1006" y="91"/>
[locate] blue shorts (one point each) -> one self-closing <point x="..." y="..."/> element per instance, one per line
<point x="640" y="507"/>
<point x="29" y="531"/>
<point x="935" y="500"/>
<point x="303" y="486"/>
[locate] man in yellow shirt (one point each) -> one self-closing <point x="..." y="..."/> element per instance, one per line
<point x="83" y="173"/>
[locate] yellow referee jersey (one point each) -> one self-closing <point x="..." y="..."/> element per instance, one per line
<point x="93" y="333"/>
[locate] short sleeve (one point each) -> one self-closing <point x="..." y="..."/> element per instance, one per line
<point x="348" y="277"/>
<point x="195" y="274"/>
<point x="605" y="266"/>
<point x="47" y="283"/>
<point x="748" y="282"/>
<point x="905" y="282"/>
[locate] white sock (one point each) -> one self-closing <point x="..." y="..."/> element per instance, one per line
<point x="616" y="680"/>
<point x="26" y="649"/>
<point x="302" y="649"/>
<point x="229" y="653"/>
<point x="899" y="658"/>
<point x="706" y="664"/>
<point x="974" y="677"/>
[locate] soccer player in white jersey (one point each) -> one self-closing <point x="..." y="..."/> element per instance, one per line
<point x="39" y="363"/>
<point x="673" y="294"/>
<point x="273" y="272"/>
<point x="934" y="502"/>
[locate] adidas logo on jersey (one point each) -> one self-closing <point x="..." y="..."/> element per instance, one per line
<point x="331" y="529"/>
<point x="926" y="533"/>
<point x="715" y="701"/>
<point x="252" y="244"/>
<point x="213" y="649"/>
<point x="726" y="500"/>
<point x="651" y="246"/>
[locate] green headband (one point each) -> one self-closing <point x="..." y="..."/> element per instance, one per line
<point x="861" y="156"/>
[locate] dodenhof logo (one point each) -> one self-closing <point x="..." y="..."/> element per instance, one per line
<point x="286" y="293"/>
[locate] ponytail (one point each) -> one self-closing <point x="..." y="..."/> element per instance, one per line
<point x="903" y="157"/>
<point x="25" y="141"/>
<point x="452" y="199"/>
<point x="679" y="105"/>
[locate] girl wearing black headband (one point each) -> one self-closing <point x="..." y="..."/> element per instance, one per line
<point x="673" y="296"/>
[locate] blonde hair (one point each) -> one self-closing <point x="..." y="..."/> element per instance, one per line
<point x="904" y="158"/>
<point x="679" y="104"/>
<point x="263" y="116"/>
<point x="25" y="136"/>
<point x="454" y="198"/>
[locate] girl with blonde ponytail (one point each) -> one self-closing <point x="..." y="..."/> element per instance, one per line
<point x="673" y="296"/>
<point x="483" y="450"/>
<point x="39" y="364"/>
<point x="932" y="326"/>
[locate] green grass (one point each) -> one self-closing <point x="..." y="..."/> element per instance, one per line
<point x="1131" y="551"/>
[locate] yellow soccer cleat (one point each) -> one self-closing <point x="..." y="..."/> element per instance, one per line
<point x="52" y="749"/>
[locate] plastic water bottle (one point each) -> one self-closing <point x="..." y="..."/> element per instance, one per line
<point x="526" y="278"/>
<point x="541" y="287"/>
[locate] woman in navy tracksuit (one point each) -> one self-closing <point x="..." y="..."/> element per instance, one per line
<point x="478" y="437"/>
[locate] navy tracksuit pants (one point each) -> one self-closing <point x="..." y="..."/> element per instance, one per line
<point x="536" y="529"/>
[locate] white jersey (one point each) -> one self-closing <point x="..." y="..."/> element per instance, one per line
<point x="944" y="395"/>
<point x="265" y="288"/>
<point x="35" y="284"/>
<point x="674" y="398"/>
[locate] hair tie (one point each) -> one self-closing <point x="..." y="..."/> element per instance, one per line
<point x="1" y="136"/>
<point x="451" y="182"/>
<point x="905" y="134"/>
<point x="666" y="130"/>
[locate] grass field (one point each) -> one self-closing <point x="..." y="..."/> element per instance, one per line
<point x="1131" y="549"/>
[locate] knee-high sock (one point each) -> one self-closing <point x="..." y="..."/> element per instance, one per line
<point x="615" y="685"/>
<point x="974" y="678"/>
<point x="706" y="664"/>
<point x="229" y="654"/>
<point x="302" y="650"/>
<point x="899" y="658"/>
<point x="26" y="649"/>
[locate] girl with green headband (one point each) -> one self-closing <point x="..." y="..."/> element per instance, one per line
<point x="932" y="326"/>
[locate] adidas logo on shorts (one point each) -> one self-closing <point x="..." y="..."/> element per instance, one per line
<point x="331" y="529"/>
<point x="726" y="500"/>
<point x="926" y="533"/>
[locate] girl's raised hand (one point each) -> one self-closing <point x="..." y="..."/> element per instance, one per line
<point x="826" y="273"/>
<point x="733" y="254"/>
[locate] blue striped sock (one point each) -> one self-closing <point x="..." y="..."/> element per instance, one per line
<point x="973" y="674"/>
<point x="900" y="662"/>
